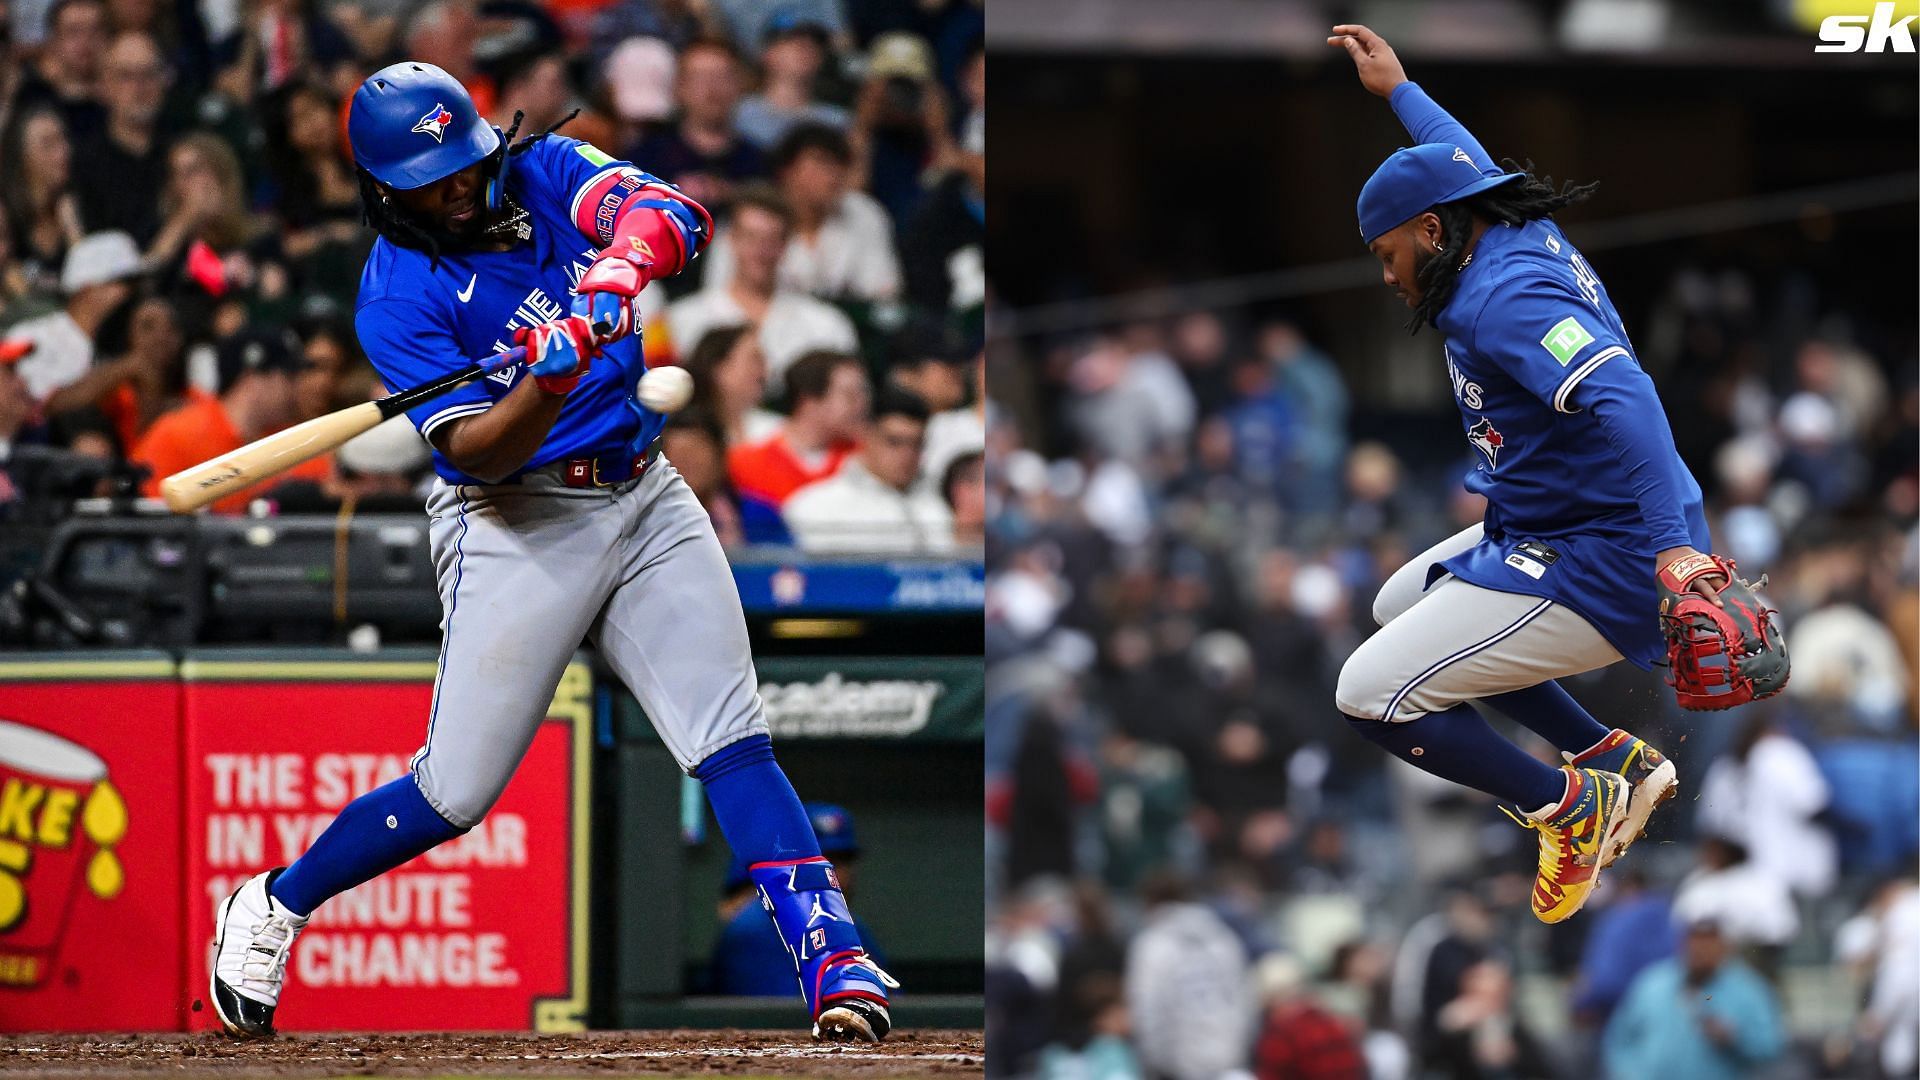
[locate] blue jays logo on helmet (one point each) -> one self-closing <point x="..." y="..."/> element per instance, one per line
<point x="401" y="101"/>
<point x="435" y="122"/>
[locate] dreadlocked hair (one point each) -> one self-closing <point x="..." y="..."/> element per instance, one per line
<point x="386" y="217"/>
<point x="1517" y="203"/>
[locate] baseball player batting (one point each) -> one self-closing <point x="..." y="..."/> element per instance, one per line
<point x="1592" y="547"/>
<point x="553" y="520"/>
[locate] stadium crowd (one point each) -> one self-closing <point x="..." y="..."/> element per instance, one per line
<point x="1197" y="871"/>
<point x="183" y="241"/>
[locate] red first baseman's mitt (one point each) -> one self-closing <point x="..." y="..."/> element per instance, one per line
<point x="1718" y="657"/>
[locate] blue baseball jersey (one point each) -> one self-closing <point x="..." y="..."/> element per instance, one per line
<point x="418" y="321"/>
<point x="1531" y="337"/>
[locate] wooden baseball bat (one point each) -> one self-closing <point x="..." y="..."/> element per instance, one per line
<point x="265" y="458"/>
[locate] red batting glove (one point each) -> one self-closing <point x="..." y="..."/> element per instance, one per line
<point x="609" y="287"/>
<point x="558" y="352"/>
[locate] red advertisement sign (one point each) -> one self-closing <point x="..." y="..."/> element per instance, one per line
<point x="486" y="932"/>
<point x="90" y="886"/>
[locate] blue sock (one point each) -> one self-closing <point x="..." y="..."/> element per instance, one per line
<point x="1458" y="745"/>
<point x="373" y="834"/>
<point x="1551" y="713"/>
<point x="754" y="802"/>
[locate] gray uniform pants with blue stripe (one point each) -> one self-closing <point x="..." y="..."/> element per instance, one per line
<point x="527" y="572"/>
<point x="1453" y="642"/>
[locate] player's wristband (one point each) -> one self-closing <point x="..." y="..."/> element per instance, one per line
<point x="557" y="385"/>
<point x="1680" y="574"/>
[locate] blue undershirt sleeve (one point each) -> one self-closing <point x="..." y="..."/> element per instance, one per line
<point x="1622" y="400"/>
<point x="1427" y="122"/>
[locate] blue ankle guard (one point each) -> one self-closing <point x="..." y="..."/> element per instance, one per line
<point x="804" y="898"/>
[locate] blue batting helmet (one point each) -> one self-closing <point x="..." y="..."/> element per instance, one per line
<point x="412" y="123"/>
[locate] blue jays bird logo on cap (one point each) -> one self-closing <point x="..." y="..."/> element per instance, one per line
<point x="435" y="122"/>
<point x="1461" y="155"/>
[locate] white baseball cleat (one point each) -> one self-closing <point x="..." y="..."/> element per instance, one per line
<point x="253" y="933"/>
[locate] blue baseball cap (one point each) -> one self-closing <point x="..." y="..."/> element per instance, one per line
<point x="412" y="123"/>
<point x="1418" y="177"/>
<point x="832" y="826"/>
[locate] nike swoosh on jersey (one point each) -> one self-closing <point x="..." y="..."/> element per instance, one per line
<point x="466" y="294"/>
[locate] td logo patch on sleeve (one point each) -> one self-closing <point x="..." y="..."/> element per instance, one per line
<point x="1566" y="339"/>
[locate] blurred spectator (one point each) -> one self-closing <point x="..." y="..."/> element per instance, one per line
<point x="875" y="502"/>
<point x="828" y="400"/>
<point x="963" y="486"/>
<point x="1881" y="943"/>
<point x="319" y="196"/>
<point x="1767" y="793"/>
<point x="1298" y="1039"/>
<point x="680" y="23"/>
<point x="1703" y="1015"/>
<point x="750" y="959"/>
<point x="134" y="390"/>
<point x="1361" y="989"/>
<point x="693" y="444"/>
<point x="1188" y="987"/>
<point x="754" y="23"/>
<point x="956" y="427"/>
<point x="42" y="218"/>
<point x="119" y="171"/>
<point x="901" y="125"/>
<point x="1022" y="973"/>
<point x="257" y="397"/>
<point x="1097" y="1049"/>
<point x="1435" y="955"/>
<point x="794" y="51"/>
<point x="1748" y="905"/>
<point x="17" y="408"/>
<point x="1631" y="933"/>
<point x="841" y="244"/>
<point x="701" y="151"/>
<point x="789" y="323"/>
<point x="66" y="73"/>
<point x="927" y="366"/>
<point x="640" y="76"/>
<point x="730" y="378"/>
<point x="280" y="43"/>
<point x="1477" y="1035"/>
<point x="1128" y="401"/>
<point x="1311" y="384"/>
<point x="96" y="279"/>
<point x="943" y="246"/>
<point x="333" y="373"/>
<point x="901" y="122"/>
<point x="538" y="86"/>
<point x="210" y="243"/>
<point x="1849" y="671"/>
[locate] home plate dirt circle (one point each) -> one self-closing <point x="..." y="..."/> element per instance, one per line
<point x="657" y="1053"/>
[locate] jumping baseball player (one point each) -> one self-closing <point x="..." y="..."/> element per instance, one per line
<point x="1592" y="544"/>
<point x="553" y="520"/>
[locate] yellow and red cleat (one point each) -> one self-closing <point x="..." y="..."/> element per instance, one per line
<point x="1574" y="836"/>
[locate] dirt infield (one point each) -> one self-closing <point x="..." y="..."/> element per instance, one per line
<point x="737" y="1054"/>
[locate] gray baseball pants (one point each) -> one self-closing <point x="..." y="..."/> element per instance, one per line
<point x="1452" y="642"/>
<point x="528" y="571"/>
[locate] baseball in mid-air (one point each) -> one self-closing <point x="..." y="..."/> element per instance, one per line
<point x="665" y="389"/>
